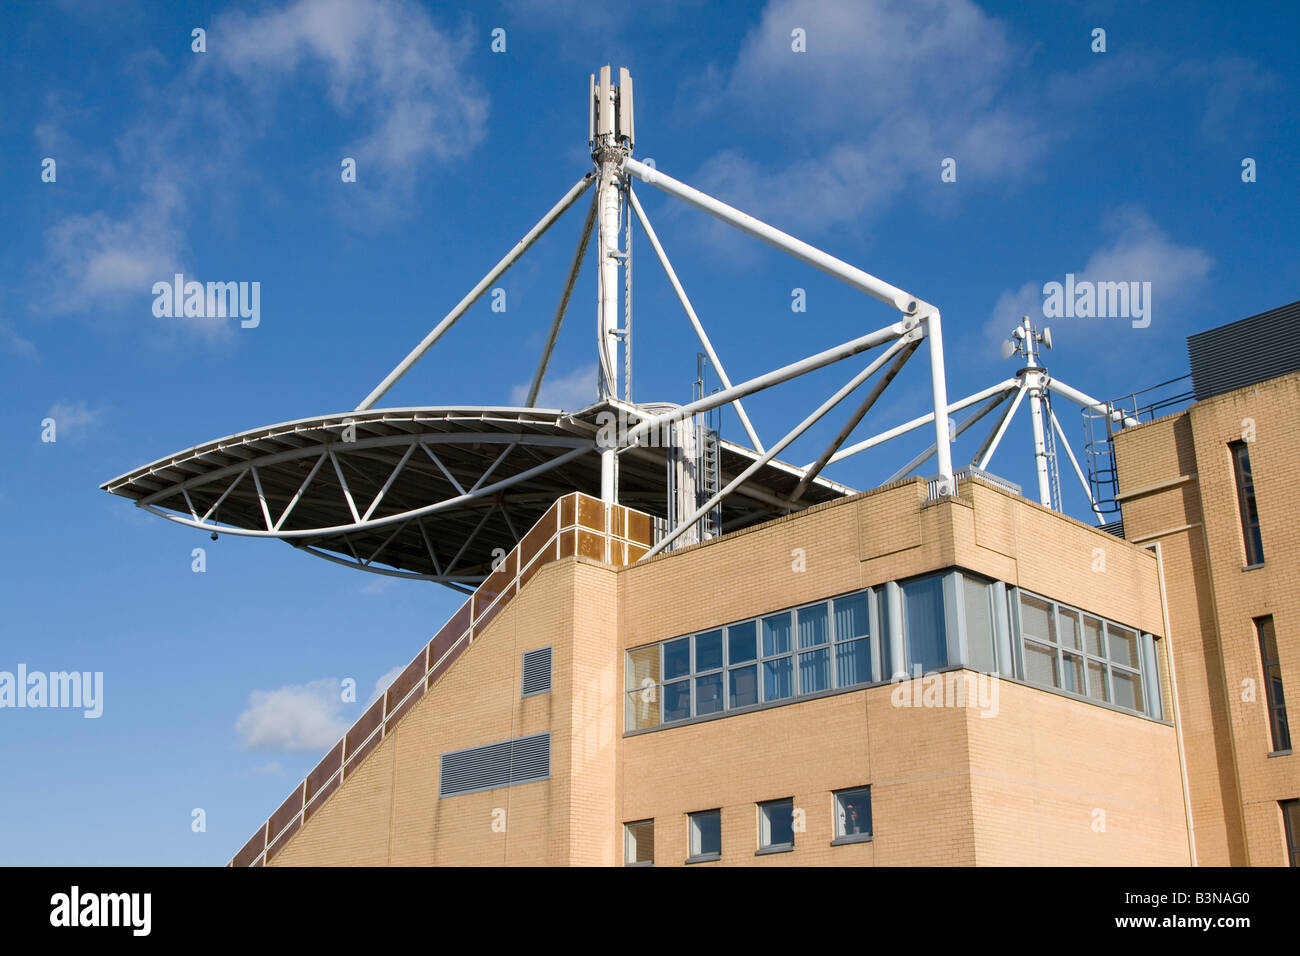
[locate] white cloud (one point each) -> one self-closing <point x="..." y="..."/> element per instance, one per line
<point x="573" y="391"/>
<point x="295" y="717"/>
<point x="883" y="94"/>
<point x="12" y="342"/>
<point x="384" y="62"/>
<point x="73" y="418"/>
<point x="272" y="769"/>
<point x="388" y="70"/>
<point x="1138" y="250"/>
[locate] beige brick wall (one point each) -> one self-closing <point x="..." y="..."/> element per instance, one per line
<point x="1235" y="783"/>
<point x="949" y="786"/>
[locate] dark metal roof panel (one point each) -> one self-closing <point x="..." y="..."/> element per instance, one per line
<point x="1245" y="352"/>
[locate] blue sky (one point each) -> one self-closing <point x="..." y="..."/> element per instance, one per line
<point x="225" y="165"/>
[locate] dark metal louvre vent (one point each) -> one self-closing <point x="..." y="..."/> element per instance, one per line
<point x="537" y="672"/>
<point x="496" y="765"/>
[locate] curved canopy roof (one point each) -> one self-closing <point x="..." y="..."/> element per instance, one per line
<point x="426" y="492"/>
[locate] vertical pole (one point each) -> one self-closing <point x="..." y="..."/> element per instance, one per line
<point x="607" y="307"/>
<point x="1040" y="447"/>
<point x="939" y="387"/>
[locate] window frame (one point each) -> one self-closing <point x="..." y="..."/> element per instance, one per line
<point x="840" y="838"/>
<point x="628" y="842"/>
<point x="1252" y="532"/>
<point x="1146" y="685"/>
<point x="1279" y="730"/>
<point x="692" y="856"/>
<point x="1291" y="829"/>
<point x="763" y="809"/>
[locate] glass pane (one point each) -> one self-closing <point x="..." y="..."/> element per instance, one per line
<point x="1123" y="645"/>
<point x="1069" y="621"/>
<point x="677" y="701"/>
<point x="640" y="842"/>
<point x="742" y="642"/>
<point x="643" y="708"/>
<point x="642" y="666"/>
<point x="708" y="694"/>
<point x="1097" y="689"/>
<point x="851" y="617"/>
<point x="744" y="686"/>
<point x="1128" y="690"/>
<point x="1036" y="619"/>
<point x="853" y="662"/>
<point x="1040" y="665"/>
<point x="882" y="612"/>
<point x="778" y="679"/>
<point x="677" y="658"/>
<point x="706" y="833"/>
<point x="1092" y="637"/>
<point x="853" y="812"/>
<point x="777" y="823"/>
<point x="776" y="634"/>
<point x="708" y="651"/>
<point x="980" y="640"/>
<point x="815" y="671"/>
<point x="1073" y="673"/>
<point x="927" y="639"/>
<point x="813" y="626"/>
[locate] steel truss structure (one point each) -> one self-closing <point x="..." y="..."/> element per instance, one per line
<point x="434" y="493"/>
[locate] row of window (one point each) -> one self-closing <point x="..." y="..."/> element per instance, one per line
<point x="778" y="821"/>
<point x="897" y="629"/>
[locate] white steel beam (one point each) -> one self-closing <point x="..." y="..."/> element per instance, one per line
<point x="877" y="288"/>
<point x="991" y="443"/>
<point x="1083" y="482"/>
<point x="909" y="338"/>
<point x="579" y="254"/>
<point x="690" y="314"/>
<point x="475" y="293"/>
<point x="925" y="419"/>
<point x="877" y="388"/>
<point x="812" y="362"/>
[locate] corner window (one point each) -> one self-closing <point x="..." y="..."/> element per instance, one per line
<point x="1067" y="649"/>
<point x="853" y="815"/>
<point x="1278" y="725"/>
<point x="705" y="835"/>
<point x="776" y="825"/>
<point x="981" y="640"/>
<point x="923" y="624"/>
<point x="639" y="843"/>
<point x="1246" y="505"/>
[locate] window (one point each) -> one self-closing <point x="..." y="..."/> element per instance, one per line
<point x="853" y="815"/>
<point x="776" y="826"/>
<point x="923" y="624"/>
<point x="1070" y="650"/>
<point x="852" y="640"/>
<point x="1246" y="504"/>
<point x="1273" y="684"/>
<point x="643" y="688"/>
<point x="778" y="669"/>
<point x="814" y="649"/>
<point x="1291" y="821"/>
<point x="742" y="656"/>
<point x="705" y="835"/>
<point x="639" y="843"/>
<point x="977" y="599"/>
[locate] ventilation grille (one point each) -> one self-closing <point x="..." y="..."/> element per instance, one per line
<point x="537" y="671"/>
<point x="496" y="765"/>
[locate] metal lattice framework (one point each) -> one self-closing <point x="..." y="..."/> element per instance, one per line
<point x="435" y="493"/>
